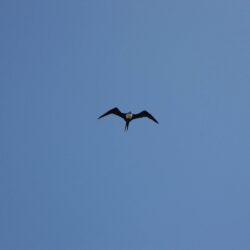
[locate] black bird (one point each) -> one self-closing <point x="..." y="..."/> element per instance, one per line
<point x="128" y="117"/>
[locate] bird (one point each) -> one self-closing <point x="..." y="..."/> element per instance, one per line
<point x="128" y="117"/>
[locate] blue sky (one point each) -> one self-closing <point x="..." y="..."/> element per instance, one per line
<point x="70" y="181"/>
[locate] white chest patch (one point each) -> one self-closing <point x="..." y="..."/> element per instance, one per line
<point x="129" y="116"/>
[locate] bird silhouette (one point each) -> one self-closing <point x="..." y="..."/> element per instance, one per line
<point x="128" y="117"/>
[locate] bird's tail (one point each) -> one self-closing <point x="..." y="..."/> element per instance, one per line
<point x="126" y="126"/>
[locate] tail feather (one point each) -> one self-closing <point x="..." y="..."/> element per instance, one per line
<point x="126" y="126"/>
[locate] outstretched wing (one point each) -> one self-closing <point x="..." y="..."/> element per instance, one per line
<point x="144" y="114"/>
<point x="114" y="111"/>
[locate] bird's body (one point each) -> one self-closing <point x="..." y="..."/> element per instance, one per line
<point x="128" y="117"/>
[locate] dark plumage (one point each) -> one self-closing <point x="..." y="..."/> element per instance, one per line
<point x="128" y="117"/>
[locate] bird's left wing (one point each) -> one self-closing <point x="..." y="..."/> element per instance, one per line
<point x="114" y="111"/>
<point x="144" y="114"/>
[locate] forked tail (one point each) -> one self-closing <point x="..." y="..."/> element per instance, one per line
<point x="126" y="126"/>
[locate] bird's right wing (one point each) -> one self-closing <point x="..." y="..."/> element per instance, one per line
<point x="144" y="114"/>
<point x="114" y="111"/>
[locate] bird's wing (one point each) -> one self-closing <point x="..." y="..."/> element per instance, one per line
<point x="114" y="111"/>
<point x="144" y="114"/>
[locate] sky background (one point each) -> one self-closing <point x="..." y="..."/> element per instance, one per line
<point x="71" y="182"/>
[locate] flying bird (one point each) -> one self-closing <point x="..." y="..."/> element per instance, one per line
<point x="128" y="117"/>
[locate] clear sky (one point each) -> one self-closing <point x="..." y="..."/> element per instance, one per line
<point x="71" y="182"/>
